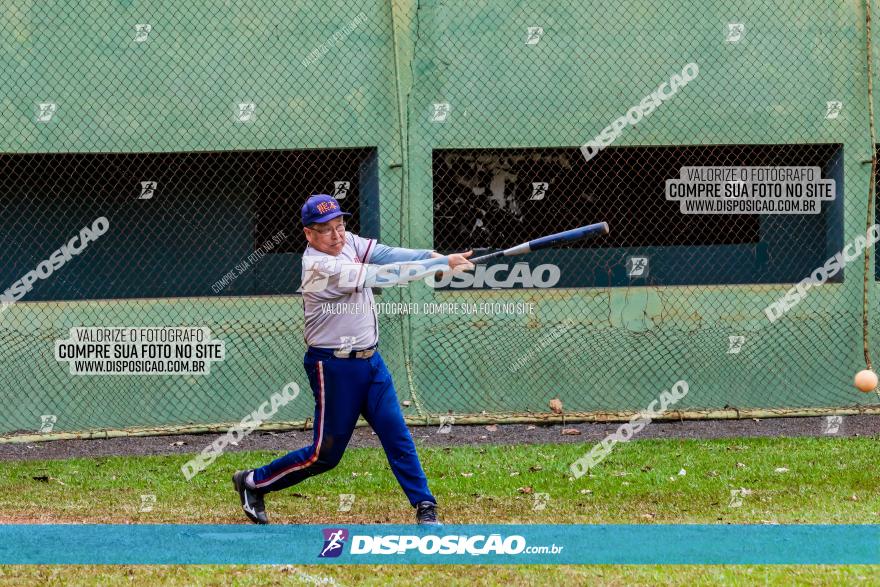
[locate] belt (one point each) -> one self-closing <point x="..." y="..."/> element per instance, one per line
<point x="361" y="354"/>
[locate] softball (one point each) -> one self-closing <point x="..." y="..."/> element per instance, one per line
<point x="866" y="380"/>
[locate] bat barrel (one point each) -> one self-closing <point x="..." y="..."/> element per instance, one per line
<point x="600" y="228"/>
<point x="568" y="236"/>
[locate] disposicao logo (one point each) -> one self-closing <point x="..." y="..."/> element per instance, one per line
<point x="334" y="540"/>
<point x="452" y="544"/>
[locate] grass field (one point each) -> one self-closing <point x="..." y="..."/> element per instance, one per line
<point x="786" y="480"/>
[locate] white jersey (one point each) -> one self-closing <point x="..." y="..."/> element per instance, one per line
<point x="339" y="313"/>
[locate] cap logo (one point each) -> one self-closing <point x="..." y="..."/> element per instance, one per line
<point x="325" y="207"/>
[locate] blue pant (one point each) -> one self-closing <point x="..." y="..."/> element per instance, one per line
<point x="345" y="389"/>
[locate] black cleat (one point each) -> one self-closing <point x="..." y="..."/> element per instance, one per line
<point x="251" y="501"/>
<point x="426" y="513"/>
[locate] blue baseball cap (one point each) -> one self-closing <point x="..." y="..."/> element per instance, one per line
<point x="321" y="208"/>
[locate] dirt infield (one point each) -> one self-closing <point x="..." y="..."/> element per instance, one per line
<point x="590" y="433"/>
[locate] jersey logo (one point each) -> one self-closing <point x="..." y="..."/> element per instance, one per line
<point x="317" y="275"/>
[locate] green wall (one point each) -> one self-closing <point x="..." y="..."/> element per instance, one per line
<point x="375" y="87"/>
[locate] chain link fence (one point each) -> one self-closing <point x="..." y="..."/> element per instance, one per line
<point x="184" y="139"/>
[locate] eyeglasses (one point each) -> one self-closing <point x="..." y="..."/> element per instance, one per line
<point x="340" y="228"/>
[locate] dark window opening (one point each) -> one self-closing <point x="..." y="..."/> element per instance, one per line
<point x="179" y="223"/>
<point x="497" y="198"/>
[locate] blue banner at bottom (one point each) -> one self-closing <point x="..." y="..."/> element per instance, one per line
<point x="465" y="544"/>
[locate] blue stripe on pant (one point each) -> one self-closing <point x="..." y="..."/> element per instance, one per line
<point x="345" y="389"/>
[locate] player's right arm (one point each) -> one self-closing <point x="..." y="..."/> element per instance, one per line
<point x="385" y="255"/>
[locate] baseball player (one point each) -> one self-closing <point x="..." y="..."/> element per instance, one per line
<point x="346" y="372"/>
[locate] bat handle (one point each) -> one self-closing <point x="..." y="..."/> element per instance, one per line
<point x="483" y="258"/>
<point x="476" y="260"/>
